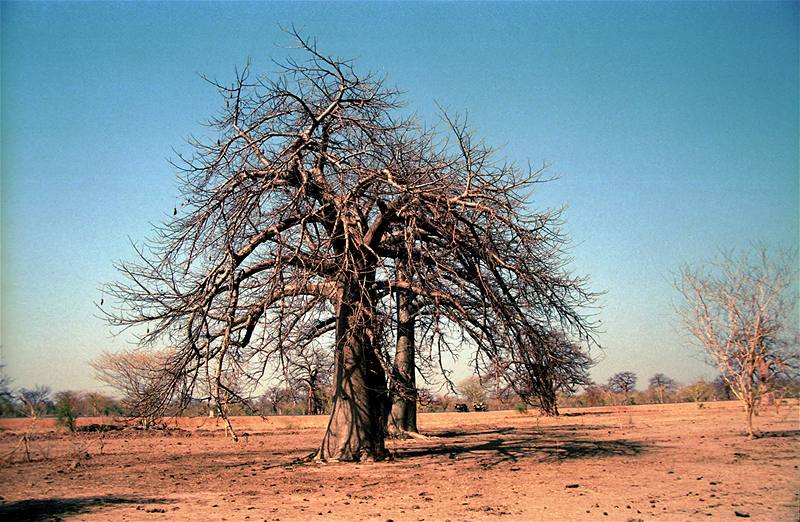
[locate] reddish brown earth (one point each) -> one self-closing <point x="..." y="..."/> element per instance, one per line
<point x="671" y="462"/>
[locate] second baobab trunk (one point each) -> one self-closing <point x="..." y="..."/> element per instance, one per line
<point x="403" y="416"/>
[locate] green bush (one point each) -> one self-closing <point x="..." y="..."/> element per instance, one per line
<point x="65" y="417"/>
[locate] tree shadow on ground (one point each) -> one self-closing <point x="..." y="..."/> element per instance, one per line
<point x="466" y="433"/>
<point x="779" y="434"/>
<point x="582" y="413"/>
<point x="54" y="508"/>
<point x="540" y="445"/>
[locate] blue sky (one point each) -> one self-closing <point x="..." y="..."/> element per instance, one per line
<point x="673" y="129"/>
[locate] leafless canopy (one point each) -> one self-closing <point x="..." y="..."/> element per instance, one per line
<point x="309" y="372"/>
<point x="545" y="366"/>
<point x="34" y="401"/>
<point x="622" y="382"/>
<point x="314" y="205"/>
<point x="141" y="378"/>
<point x="743" y="311"/>
<point x="660" y="385"/>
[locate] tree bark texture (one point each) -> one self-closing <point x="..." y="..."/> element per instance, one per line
<point x="355" y="429"/>
<point x="403" y="416"/>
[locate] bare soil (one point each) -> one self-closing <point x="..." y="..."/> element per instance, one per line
<point x="671" y="462"/>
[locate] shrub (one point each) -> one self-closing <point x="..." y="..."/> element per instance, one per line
<point x="65" y="417"/>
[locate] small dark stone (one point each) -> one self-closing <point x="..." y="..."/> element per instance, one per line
<point x="741" y="514"/>
<point x="571" y="486"/>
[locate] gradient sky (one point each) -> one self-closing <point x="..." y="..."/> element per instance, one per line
<point x="673" y="129"/>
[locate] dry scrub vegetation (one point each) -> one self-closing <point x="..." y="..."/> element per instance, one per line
<point x="672" y="462"/>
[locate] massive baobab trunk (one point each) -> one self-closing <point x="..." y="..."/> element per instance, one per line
<point x="403" y="417"/>
<point x="355" y="429"/>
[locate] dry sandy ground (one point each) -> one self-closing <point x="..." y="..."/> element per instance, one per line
<point x="671" y="462"/>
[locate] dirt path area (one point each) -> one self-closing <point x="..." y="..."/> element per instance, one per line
<point x="671" y="462"/>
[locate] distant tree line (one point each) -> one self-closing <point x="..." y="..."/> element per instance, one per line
<point x="40" y="401"/>
<point x="662" y="389"/>
<point x="301" y="399"/>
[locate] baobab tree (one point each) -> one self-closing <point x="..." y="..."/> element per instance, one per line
<point x="742" y="309"/>
<point x="623" y="382"/>
<point x="317" y="203"/>
<point x="402" y="418"/>
<point x="660" y="384"/>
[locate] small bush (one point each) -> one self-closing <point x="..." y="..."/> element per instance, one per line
<point x="65" y="417"/>
<point x="521" y="407"/>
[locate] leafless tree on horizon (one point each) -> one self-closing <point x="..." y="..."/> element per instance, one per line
<point x="660" y="385"/>
<point x="623" y="382"/>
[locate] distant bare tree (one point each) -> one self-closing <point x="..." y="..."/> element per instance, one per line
<point x="34" y="401"/>
<point x="72" y="399"/>
<point x="722" y="391"/>
<point x="743" y="311"/>
<point x="553" y="365"/>
<point x="7" y="406"/>
<point x="275" y="397"/>
<point x="660" y="385"/>
<point x="310" y="373"/>
<point x="142" y="379"/>
<point x="624" y="383"/>
<point x="425" y="397"/>
<point x="471" y="390"/>
<point x="698" y="391"/>
<point x="98" y="404"/>
<point x="69" y="405"/>
<point x="594" y="395"/>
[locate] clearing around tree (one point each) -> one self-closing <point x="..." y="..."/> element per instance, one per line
<point x="671" y="462"/>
